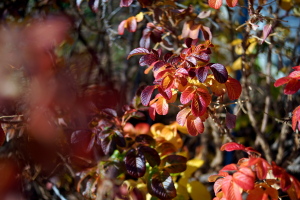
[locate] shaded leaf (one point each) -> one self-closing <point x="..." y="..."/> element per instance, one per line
<point x="145" y="139"/>
<point x="234" y="88"/>
<point x="220" y="72"/>
<point x="201" y="73"/>
<point x="125" y="3"/>
<point x="147" y="59"/>
<point x="174" y="163"/>
<point x="135" y="163"/>
<point x="231" y="3"/>
<point x="230" y="120"/>
<point x="146" y="95"/>
<point x="150" y="154"/>
<point x="166" y="148"/>
<point x="2" y="136"/>
<point x="80" y="135"/>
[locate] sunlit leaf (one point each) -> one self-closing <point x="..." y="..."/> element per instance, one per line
<point x="232" y="146"/>
<point x="197" y="189"/>
<point x="296" y="119"/>
<point x="138" y="51"/>
<point x="216" y="4"/>
<point x="166" y="148"/>
<point x="167" y="82"/>
<point x="245" y="178"/>
<point x="187" y="95"/>
<point x="135" y="163"/>
<point x="161" y="185"/>
<point x="182" y="116"/>
<point x="174" y="163"/>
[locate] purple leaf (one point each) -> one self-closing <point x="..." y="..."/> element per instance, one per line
<point x="201" y="73"/>
<point x="230" y="120"/>
<point x="146" y="95"/>
<point x="220" y="72"/>
<point x="266" y="32"/>
<point x="135" y="163"/>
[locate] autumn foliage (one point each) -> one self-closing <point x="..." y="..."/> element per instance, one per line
<point x="149" y="99"/>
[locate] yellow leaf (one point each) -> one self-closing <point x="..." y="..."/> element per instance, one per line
<point x="197" y="189"/>
<point x="251" y="47"/>
<point x="237" y="64"/>
<point x="139" y="17"/>
<point x="236" y="42"/>
<point x="182" y="193"/>
<point x="191" y="166"/>
<point x="286" y="4"/>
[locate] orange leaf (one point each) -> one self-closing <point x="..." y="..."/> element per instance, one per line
<point x="231" y="3"/>
<point x="167" y="82"/>
<point x="187" y="95"/>
<point x="216" y="4"/>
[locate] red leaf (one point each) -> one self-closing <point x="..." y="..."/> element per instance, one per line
<point x="216" y="4"/>
<point x="226" y="184"/>
<point x="266" y="31"/>
<point x="231" y="3"/>
<point x="125" y="3"/>
<point x="187" y="95"/>
<point x="121" y="27"/>
<point x="194" y="126"/>
<point x="230" y="167"/>
<point x="296" y="118"/>
<point x="234" y="192"/>
<point x="146" y="95"/>
<point x="234" y="88"/>
<point x="232" y="146"/>
<point x="294" y="74"/>
<point x="292" y="87"/>
<point x="230" y="120"/>
<point x="147" y="59"/>
<point x="138" y="51"/>
<point x="2" y="136"/>
<point x="245" y="178"/>
<point x="167" y="94"/>
<point x="282" y="81"/>
<point x="182" y="116"/>
<point x="197" y="106"/>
